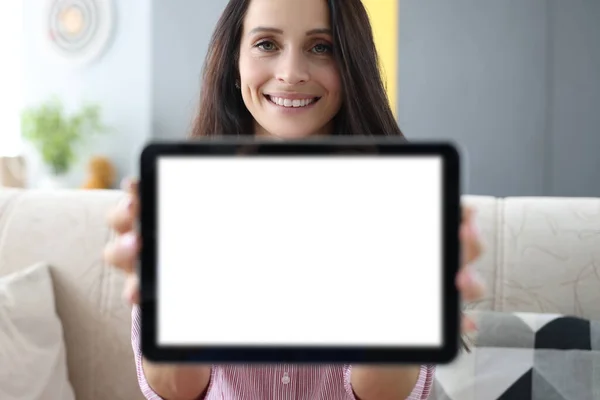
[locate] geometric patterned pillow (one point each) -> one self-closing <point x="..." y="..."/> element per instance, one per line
<point x="529" y="356"/>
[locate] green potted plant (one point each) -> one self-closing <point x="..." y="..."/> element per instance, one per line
<point x="57" y="135"/>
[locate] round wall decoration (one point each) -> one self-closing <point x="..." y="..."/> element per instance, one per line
<point x="78" y="31"/>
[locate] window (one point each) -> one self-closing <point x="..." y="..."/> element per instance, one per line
<point x="11" y="79"/>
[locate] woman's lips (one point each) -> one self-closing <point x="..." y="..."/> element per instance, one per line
<point x="292" y="101"/>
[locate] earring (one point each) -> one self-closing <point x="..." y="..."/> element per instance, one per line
<point x="237" y="84"/>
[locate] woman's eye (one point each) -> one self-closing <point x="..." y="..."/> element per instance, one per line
<point x="266" y="46"/>
<point x="322" y="48"/>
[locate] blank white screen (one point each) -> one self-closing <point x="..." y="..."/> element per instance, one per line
<point x="300" y="251"/>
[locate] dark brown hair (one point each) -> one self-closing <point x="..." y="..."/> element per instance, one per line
<point x="365" y="109"/>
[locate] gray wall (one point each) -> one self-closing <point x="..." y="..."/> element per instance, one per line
<point x="181" y="30"/>
<point x="515" y="83"/>
<point x="574" y="106"/>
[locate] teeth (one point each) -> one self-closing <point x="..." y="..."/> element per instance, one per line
<point x="291" y="103"/>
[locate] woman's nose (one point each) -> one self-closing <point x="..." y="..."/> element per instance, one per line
<point x="292" y="68"/>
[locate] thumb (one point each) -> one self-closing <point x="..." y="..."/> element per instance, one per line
<point x="131" y="292"/>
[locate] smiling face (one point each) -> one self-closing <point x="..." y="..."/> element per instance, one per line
<point x="289" y="80"/>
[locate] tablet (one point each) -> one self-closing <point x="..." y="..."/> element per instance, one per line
<point x="329" y="250"/>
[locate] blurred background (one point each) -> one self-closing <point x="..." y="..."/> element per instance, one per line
<point x="84" y="84"/>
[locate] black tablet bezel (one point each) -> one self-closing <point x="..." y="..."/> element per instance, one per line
<point x="248" y="147"/>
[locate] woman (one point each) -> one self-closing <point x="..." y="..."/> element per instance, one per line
<point x="286" y="69"/>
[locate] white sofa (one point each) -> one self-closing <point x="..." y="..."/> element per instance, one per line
<point x="541" y="255"/>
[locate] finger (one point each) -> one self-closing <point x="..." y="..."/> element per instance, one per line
<point x="123" y="252"/>
<point x="131" y="291"/>
<point x="122" y="217"/>
<point x="471" y="246"/>
<point x="468" y="324"/>
<point x="130" y="185"/>
<point x="467" y="213"/>
<point x="470" y="284"/>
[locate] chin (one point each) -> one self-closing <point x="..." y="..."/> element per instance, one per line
<point x="291" y="132"/>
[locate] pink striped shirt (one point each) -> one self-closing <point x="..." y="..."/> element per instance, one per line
<point x="240" y="382"/>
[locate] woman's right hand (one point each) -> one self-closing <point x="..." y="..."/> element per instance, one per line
<point x="123" y="252"/>
<point x="168" y="381"/>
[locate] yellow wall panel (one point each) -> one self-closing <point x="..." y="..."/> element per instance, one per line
<point x="384" y="19"/>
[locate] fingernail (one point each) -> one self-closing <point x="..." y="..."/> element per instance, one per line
<point x="470" y="325"/>
<point x="128" y="296"/>
<point x="129" y="203"/>
<point x="473" y="328"/>
<point x="478" y="281"/>
<point x="129" y="241"/>
<point x="472" y="277"/>
<point x="464" y="279"/>
<point x="475" y="228"/>
<point x="126" y="184"/>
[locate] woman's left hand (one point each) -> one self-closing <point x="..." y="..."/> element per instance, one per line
<point x="468" y="281"/>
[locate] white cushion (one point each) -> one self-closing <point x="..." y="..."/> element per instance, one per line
<point x="32" y="348"/>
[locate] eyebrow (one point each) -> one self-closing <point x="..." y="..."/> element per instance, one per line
<point x="280" y="31"/>
<point x="319" y="30"/>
